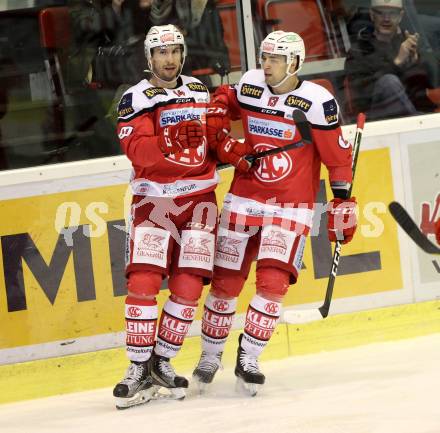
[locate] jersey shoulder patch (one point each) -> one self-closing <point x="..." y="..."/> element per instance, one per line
<point x="196" y="86"/>
<point x="330" y="111"/>
<point x="197" y="90"/>
<point x="252" y="84"/>
<point x="135" y="100"/>
<point x="125" y="107"/>
<point x="299" y="102"/>
<point x="324" y="110"/>
<point x="151" y="92"/>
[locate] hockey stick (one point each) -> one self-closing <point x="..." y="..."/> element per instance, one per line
<point x="410" y="227"/>
<point x="304" y="131"/>
<point x="309" y="315"/>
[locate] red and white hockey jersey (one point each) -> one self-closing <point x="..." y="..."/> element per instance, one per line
<point x="285" y="185"/>
<point x="144" y="110"/>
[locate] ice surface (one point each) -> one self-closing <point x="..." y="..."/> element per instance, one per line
<point x="379" y="388"/>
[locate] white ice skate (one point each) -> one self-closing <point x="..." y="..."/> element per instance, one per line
<point x="206" y="369"/>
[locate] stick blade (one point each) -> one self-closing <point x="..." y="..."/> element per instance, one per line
<point x="402" y="217"/>
<point x="410" y="227"/>
<point x="302" y="316"/>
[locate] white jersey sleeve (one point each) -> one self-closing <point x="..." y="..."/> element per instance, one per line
<point x="318" y="104"/>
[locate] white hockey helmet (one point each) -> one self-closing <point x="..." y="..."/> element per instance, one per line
<point x="287" y="44"/>
<point x="159" y="36"/>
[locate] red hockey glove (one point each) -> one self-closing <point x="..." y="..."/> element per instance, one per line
<point x="342" y="219"/>
<point x="218" y="125"/>
<point x="183" y="135"/>
<point x="232" y="151"/>
<point x="437" y="231"/>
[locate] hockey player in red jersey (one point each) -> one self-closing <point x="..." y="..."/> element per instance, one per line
<point x="268" y="211"/>
<point x="162" y="130"/>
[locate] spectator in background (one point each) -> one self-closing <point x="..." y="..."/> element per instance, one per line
<point x="121" y="62"/>
<point x="141" y="10"/>
<point x="200" y="22"/>
<point x="8" y="79"/>
<point x="86" y="27"/>
<point x="427" y="25"/>
<point x="3" y="108"/>
<point x="386" y="75"/>
<point x="115" y="19"/>
<point x="120" y="59"/>
<point x="86" y="110"/>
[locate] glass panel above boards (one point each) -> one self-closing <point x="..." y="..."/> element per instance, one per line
<point x="377" y="56"/>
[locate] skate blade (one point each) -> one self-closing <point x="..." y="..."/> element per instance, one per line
<point x="245" y="388"/>
<point x="200" y="387"/>
<point x="169" y="394"/>
<point x="142" y="397"/>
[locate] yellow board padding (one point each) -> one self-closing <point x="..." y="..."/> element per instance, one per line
<point x="67" y="318"/>
<point x="105" y="368"/>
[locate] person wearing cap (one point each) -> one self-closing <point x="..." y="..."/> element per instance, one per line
<point x="164" y="128"/>
<point x="268" y="211"/>
<point x="386" y="75"/>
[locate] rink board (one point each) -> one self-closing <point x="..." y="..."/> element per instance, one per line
<point x="104" y="368"/>
<point x="72" y="291"/>
<point x="61" y="297"/>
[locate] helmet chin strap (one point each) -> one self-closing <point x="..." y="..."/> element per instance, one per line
<point x="288" y="75"/>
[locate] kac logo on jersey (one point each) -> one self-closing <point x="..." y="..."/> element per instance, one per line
<point x="251" y="91"/>
<point x="271" y="128"/>
<point x="190" y="158"/>
<point x="171" y="117"/>
<point x="330" y="111"/>
<point x="272" y="168"/>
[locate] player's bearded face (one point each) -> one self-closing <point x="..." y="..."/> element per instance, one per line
<point x="166" y="61"/>
<point x="274" y="67"/>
